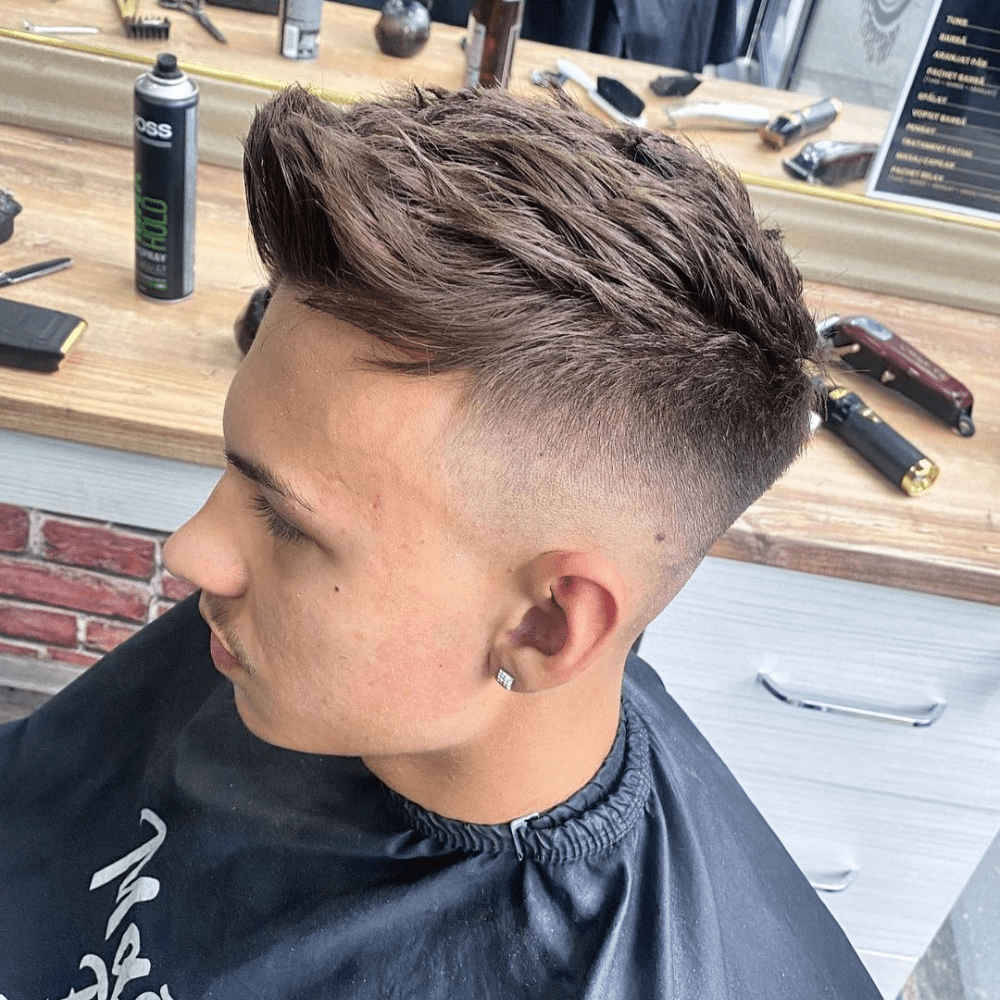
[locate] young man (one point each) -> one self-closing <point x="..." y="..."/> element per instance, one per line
<point x="518" y="372"/>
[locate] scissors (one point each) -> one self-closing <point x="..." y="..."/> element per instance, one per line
<point x="194" y="8"/>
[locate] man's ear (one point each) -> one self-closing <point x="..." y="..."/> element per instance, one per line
<point x="576" y="601"/>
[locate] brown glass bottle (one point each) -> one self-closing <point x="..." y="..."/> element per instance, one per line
<point x="494" y="27"/>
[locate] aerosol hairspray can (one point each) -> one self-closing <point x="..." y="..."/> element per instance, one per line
<point x="494" y="27"/>
<point x="299" y="22"/>
<point x="166" y="164"/>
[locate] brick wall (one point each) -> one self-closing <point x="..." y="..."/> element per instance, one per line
<point x="72" y="589"/>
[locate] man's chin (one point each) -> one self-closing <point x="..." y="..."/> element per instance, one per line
<point x="250" y="718"/>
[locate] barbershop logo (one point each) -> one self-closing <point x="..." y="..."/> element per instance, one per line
<point x="127" y="964"/>
<point x="879" y="27"/>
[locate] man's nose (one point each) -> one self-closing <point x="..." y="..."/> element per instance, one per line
<point x="205" y="549"/>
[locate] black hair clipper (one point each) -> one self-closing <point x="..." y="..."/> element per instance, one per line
<point x="854" y="421"/>
<point x="873" y="350"/>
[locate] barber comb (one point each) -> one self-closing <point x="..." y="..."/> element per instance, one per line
<point x="141" y="27"/>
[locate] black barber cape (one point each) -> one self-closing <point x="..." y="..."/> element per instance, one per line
<point x="152" y="848"/>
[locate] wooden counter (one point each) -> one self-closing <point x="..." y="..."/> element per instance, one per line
<point x="151" y="378"/>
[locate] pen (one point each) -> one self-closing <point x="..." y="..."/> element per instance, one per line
<point x="33" y="270"/>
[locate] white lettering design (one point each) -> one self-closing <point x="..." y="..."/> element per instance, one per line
<point x="133" y="888"/>
<point x="127" y="964"/>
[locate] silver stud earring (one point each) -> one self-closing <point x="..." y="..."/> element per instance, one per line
<point x="505" y="680"/>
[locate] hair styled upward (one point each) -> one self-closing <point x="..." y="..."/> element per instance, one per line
<point x="607" y="292"/>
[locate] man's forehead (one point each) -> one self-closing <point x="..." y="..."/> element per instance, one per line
<point x="310" y="409"/>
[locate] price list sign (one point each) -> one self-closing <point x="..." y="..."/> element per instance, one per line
<point x="942" y="148"/>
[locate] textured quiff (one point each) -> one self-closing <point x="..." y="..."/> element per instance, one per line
<point x="607" y="292"/>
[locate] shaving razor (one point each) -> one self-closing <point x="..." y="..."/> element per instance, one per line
<point x="831" y="162"/>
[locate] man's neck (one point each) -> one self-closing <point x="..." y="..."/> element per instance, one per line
<point x="545" y="748"/>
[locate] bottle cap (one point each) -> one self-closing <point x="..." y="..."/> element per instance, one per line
<point x="166" y="67"/>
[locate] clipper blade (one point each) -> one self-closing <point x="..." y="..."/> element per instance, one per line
<point x="146" y="27"/>
<point x="141" y="27"/>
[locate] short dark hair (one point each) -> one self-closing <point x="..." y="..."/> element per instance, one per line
<point x="608" y="292"/>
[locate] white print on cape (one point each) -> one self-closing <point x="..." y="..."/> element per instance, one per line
<point x="127" y="964"/>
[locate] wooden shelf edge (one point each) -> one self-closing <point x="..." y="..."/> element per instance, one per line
<point x="964" y="583"/>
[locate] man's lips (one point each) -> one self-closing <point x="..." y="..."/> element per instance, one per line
<point x="221" y="656"/>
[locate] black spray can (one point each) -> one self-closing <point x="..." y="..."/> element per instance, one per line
<point x="166" y="162"/>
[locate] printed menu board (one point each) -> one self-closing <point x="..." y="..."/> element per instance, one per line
<point x="942" y="148"/>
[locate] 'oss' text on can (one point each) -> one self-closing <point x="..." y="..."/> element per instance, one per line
<point x="165" y="135"/>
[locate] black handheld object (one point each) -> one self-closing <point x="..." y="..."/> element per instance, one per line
<point x="674" y="84"/>
<point x="34" y="337"/>
<point x="165" y="119"/>
<point x="249" y="319"/>
<point x="854" y="421"/>
<point x="9" y="208"/>
<point x="620" y="96"/>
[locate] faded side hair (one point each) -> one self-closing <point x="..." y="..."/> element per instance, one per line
<point x="608" y="293"/>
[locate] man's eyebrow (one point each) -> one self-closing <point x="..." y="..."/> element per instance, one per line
<point x="263" y="476"/>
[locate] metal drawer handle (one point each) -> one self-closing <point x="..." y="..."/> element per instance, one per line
<point x="832" y="881"/>
<point x="902" y="716"/>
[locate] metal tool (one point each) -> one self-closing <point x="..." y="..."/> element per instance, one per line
<point x="873" y="350"/>
<point x="64" y="29"/>
<point x="141" y="27"/>
<point x="831" y="162"/>
<point x="18" y="274"/>
<point x="854" y="421"/>
<point x="718" y="114"/>
<point x="792" y="125"/>
<point x="196" y="9"/>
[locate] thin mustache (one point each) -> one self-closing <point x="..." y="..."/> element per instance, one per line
<point x="217" y="616"/>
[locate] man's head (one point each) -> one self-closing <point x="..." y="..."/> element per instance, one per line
<point x="618" y="313"/>
<point x="563" y="356"/>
